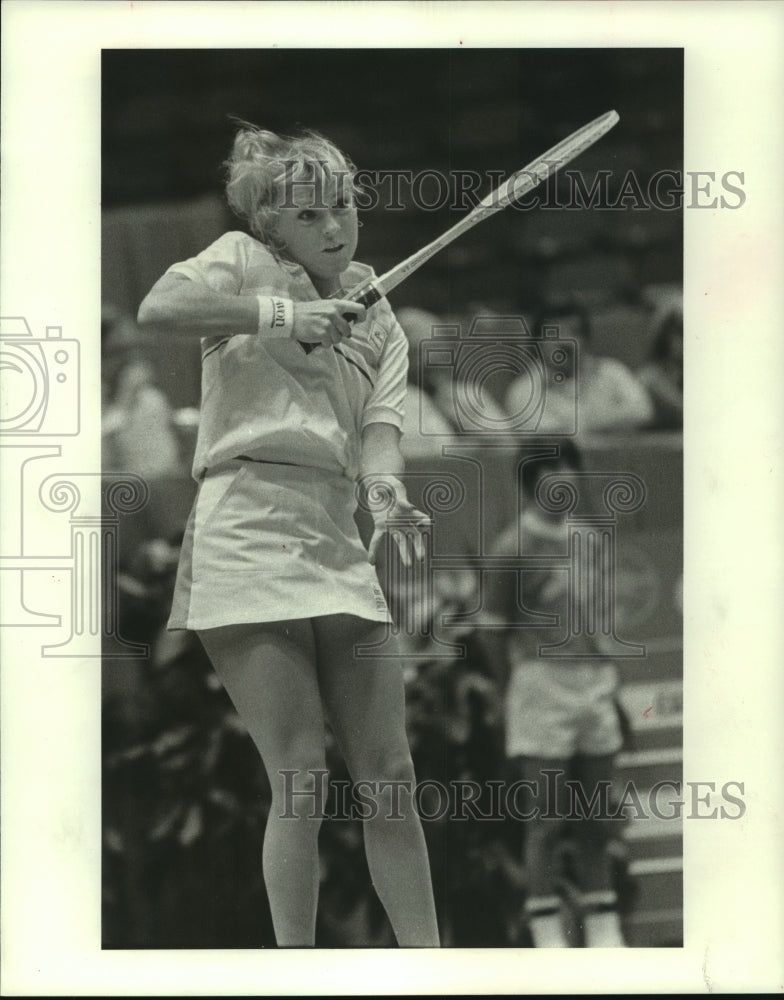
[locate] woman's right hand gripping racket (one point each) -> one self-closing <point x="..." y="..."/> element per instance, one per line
<point x="343" y="308"/>
<point x="325" y="322"/>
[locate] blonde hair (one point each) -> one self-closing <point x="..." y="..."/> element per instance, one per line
<point x="261" y="162"/>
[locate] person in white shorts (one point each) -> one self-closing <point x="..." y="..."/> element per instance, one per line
<point x="273" y="575"/>
<point x="561" y="722"/>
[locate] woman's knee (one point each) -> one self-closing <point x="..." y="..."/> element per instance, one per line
<point x="295" y="754"/>
<point x="382" y="764"/>
<point x="398" y="766"/>
<point x="300" y="792"/>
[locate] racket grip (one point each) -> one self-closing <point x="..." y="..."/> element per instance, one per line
<point x="364" y="297"/>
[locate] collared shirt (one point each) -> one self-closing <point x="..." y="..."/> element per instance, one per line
<point x="265" y="397"/>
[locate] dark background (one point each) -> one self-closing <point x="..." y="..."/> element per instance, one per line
<point x="184" y="797"/>
<point x="166" y="132"/>
<point x="165" y="126"/>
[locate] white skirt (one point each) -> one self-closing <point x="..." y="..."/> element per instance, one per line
<point x="270" y="542"/>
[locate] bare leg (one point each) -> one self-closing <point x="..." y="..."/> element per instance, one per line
<point x="269" y="672"/>
<point x="365" y="702"/>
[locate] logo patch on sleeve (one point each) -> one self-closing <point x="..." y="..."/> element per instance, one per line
<point x="377" y="336"/>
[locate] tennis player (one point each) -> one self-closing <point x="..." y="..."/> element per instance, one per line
<point x="273" y="575"/>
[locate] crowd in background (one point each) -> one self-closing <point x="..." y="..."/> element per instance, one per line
<point x="592" y="394"/>
<point x="144" y="433"/>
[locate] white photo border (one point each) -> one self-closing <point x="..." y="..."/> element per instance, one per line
<point x="734" y="87"/>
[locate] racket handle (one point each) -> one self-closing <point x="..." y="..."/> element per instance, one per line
<point x="364" y="297"/>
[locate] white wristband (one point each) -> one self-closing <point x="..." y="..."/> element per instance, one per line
<point x="276" y="316"/>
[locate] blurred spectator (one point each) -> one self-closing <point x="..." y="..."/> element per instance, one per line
<point x="137" y="420"/>
<point x="562" y="722"/>
<point x="609" y="396"/>
<point x="433" y="391"/>
<point x="662" y="375"/>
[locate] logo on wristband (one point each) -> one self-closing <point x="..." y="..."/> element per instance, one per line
<point x="278" y="314"/>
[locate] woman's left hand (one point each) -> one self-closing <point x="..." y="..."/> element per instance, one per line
<point x="400" y="518"/>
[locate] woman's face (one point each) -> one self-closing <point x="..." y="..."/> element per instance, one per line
<point x="317" y="225"/>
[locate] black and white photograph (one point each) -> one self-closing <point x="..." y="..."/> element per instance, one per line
<point x="545" y="342"/>
<point x="369" y="460"/>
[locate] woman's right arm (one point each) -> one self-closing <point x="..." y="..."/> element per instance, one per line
<point x="176" y="304"/>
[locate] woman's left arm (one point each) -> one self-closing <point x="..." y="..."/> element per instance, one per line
<point x="381" y="465"/>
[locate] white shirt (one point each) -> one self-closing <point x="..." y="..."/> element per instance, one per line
<point x="265" y="397"/>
